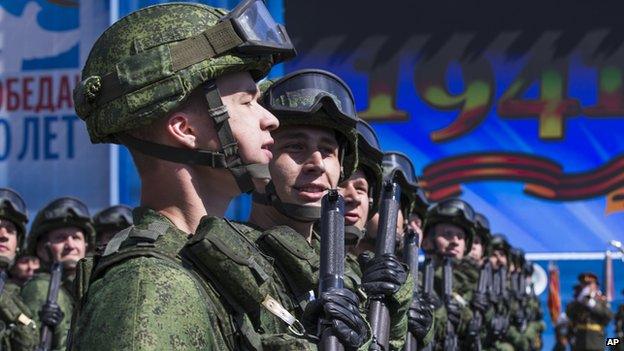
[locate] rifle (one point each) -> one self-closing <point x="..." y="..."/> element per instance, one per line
<point x="428" y="291"/>
<point x="411" y="257"/>
<point x="56" y="276"/>
<point x="378" y="313"/>
<point x="500" y="321"/>
<point x="331" y="269"/>
<point x="450" y="340"/>
<point x="477" y="322"/>
<point x="3" y="279"/>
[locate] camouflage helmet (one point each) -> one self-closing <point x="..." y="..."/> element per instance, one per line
<point x="483" y="231"/>
<point x="499" y="242"/>
<point x="454" y="211"/>
<point x="13" y="208"/>
<point x="370" y="157"/>
<point x="114" y="218"/>
<point x="313" y="97"/>
<point x="148" y="63"/>
<point x="60" y="213"/>
<point x="517" y="257"/>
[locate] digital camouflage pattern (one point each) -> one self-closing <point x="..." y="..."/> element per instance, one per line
<point x="136" y="48"/>
<point x="18" y="331"/>
<point x="35" y="292"/>
<point x="136" y="303"/>
<point x="463" y="289"/>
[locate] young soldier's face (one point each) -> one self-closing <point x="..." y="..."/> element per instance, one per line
<point x="498" y="259"/>
<point x="449" y="240"/>
<point x="8" y="239"/>
<point x="372" y="227"/>
<point x="305" y="164"/>
<point x="251" y="123"/>
<point x="355" y="193"/>
<point x="25" y="267"/>
<point x="476" y="251"/>
<point x="68" y="245"/>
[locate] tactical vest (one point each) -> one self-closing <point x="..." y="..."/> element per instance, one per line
<point x="219" y="254"/>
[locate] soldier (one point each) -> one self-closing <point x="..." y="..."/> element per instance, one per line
<point x="17" y="329"/>
<point x="499" y="297"/>
<point x="109" y="222"/>
<point x="24" y="268"/>
<point x="450" y="230"/>
<point x="63" y="229"/>
<point x="315" y="147"/>
<point x="176" y="84"/>
<point x="589" y="313"/>
<point x="619" y="326"/>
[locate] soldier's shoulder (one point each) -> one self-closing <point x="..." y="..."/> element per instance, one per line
<point x="146" y="298"/>
<point x="37" y="285"/>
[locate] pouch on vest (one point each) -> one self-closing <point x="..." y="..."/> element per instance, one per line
<point x="227" y="258"/>
<point x="294" y="257"/>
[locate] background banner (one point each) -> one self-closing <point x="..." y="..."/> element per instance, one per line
<point x="44" y="148"/>
<point x="516" y="109"/>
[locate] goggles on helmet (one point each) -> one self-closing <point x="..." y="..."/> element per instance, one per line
<point x="64" y="208"/>
<point x="258" y="31"/>
<point x="117" y="216"/>
<point x="454" y="208"/>
<point x="398" y="166"/>
<point x="11" y="200"/>
<point x="307" y="91"/>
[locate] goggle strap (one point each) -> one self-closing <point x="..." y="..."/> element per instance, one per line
<point x="174" y="154"/>
<point x="212" y="42"/>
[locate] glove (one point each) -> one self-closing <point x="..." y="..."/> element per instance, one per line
<point x="500" y="324"/>
<point x="453" y="312"/>
<point x="51" y="314"/>
<point x="419" y="317"/>
<point x="480" y="302"/>
<point x="338" y="309"/>
<point x="383" y="275"/>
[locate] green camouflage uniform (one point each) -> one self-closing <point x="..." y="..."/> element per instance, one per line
<point x="35" y="292"/>
<point x="19" y="331"/>
<point x="463" y="290"/>
<point x="137" y="301"/>
<point x="587" y="325"/>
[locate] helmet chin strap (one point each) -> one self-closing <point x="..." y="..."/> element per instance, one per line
<point x="299" y="213"/>
<point x="353" y="234"/>
<point x="227" y="158"/>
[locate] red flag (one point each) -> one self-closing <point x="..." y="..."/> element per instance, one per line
<point x="609" y="289"/>
<point x="554" y="296"/>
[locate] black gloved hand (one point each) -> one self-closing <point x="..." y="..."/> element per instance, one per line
<point x="338" y="309"/>
<point x="383" y="275"/>
<point x="419" y="317"/>
<point x="500" y="324"/>
<point x="480" y="302"/>
<point x="51" y="314"/>
<point x="453" y="312"/>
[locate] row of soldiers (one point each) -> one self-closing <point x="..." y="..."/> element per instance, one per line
<point x="177" y="85"/>
<point x="64" y="232"/>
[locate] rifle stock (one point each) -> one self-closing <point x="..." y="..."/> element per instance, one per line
<point x="411" y="257"/>
<point x="450" y="341"/>
<point x="56" y="277"/>
<point x="378" y="314"/>
<point x="331" y="271"/>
